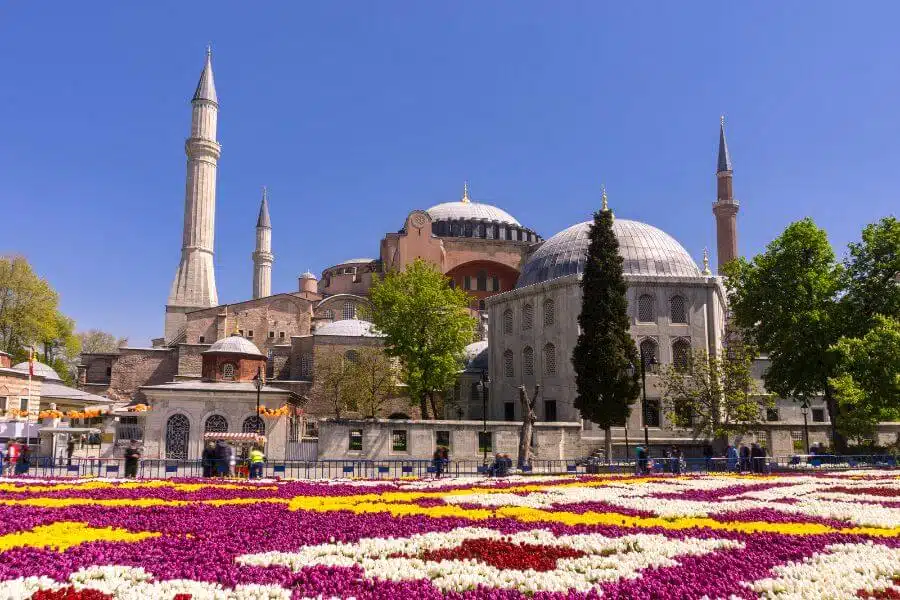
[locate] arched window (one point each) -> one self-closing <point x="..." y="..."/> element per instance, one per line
<point x="254" y="424"/>
<point x="178" y="433"/>
<point x="677" y="312"/>
<point x="351" y="355"/>
<point x="508" y="368"/>
<point x="527" y="317"/>
<point x="646" y="309"/>
<point x="328" y="314"/>
<point x="507" y="322"/>
<point x="681" y="355"/>
<point x="228" y="371"/>
<point x="548" y="313"/>
<point x="549" y="359"/>
<point x="528" y="361"/>
<point x="481" y="281"/>
<point x="650" y="353"/>
<point x="349" y="310"/>
<point x="215" y="424"/>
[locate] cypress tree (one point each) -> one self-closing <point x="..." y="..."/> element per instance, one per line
<point x="605" y="357"/>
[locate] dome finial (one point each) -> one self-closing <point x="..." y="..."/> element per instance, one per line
<point x="603" y="197"/>
<point x="706" y="270"/>
<point x="465" y="197"/>
<point x="208" y="51"/>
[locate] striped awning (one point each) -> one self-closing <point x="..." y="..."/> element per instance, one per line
<point x="247" y="438"/>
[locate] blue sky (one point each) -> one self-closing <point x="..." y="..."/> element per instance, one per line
<point x="354" y="113"/>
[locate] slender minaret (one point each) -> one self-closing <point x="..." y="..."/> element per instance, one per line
<point x="195" y="280"/>
<point x="725" y="208"/>
<point x="263" y="257"/>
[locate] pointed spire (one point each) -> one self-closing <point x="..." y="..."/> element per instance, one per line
<point x="465" y="197"/>
<point x="724" y="157"/>
<point x="206" y="87"/>
<point x="605" y="206"/>
<point x="706" y="270"/>
<point x="263" y="220"/>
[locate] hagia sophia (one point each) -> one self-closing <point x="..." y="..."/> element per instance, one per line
<point x="198" y="377"/>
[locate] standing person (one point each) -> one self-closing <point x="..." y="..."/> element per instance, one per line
<point x="676" y="460"/>
<point x="208" y="459"/>
<point x="132" y="456"/>
<point x="24" y="461"/>
<point x="708" y="455"/>
<point x="445" y="458"/>
<point x="12" y="456"/>
<point x="732" y="455"/>
<point x="745" y="458"/>
<point x="257" y="458"/>
<point x="758" y="456"/>
<point x="437" y="462"/>
<point x="220" y="454"/>
<point x="641" y="460"/>
<point x="70" y="450"/>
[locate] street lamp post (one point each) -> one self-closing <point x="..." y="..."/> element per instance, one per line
<point x="258" y="383"/>
<point x="644" y="362"/>
<point x="804" y="408"/>
<point x="482" y="386"/>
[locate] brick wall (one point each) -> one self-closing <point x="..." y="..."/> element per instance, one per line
<point x="137" y="367"/>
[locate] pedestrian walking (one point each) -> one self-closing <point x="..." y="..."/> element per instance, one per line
<point x="132" y="456"/>
<point x="208" y="459"/>
<point x="70" y="450"/>
<point x="24" y="461"/>
<point x="257" y="458"/>
<point x="437" y="462"/>
<point x="732" y="457"/>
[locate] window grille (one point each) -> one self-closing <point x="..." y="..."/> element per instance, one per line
<point x="550" y="359"/>
<point x="681" y="355"/>
<point x="254" y="424"/>
<point x="677" y="312"/>
<point x="548" y="313"/>
<point x="507" y="322"/>
<point x="649" y="353"/>
<point x="528" y="361"/>
<point x="178" y="432"/>
<point x="349" y="310"/>
<point x="527" y="317"/>
<point x="508" y="368"/>
<point x="646" y="309"/>
<point x="228" y="371"/>
<point x="215" y="424"/>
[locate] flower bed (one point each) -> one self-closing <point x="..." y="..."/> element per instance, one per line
<point x="794" y="536"/>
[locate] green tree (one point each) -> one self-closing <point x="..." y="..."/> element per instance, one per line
<point x="872" y="271"/>
<point x="370" y="380"/>
<point x="605" y="357"/>
<point x="867" y="385"/>
<point x="96" y="340"/>
<point x="427" y="326"/>
<point x="331" y="377"/>
<point x="785" y="302"/>
<point x="28" y="308"/>
<point x="715" y="396"/>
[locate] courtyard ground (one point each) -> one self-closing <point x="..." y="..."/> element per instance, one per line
<point x="818" y="535"/>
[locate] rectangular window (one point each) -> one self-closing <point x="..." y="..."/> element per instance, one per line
<point x="772" y="414"/>
<point x="241" y="332"/>
<point x="399" y="440"/>
<point x="250" y="333"/>
<point x="550" y="410"/>
<point x="202" y="339"/>
<point x="761" y="438"/>
<point x="467" y="282"/>
<point x="109" y="371"/>
<point x="485" y="442"/>
<point x="271" y="334"/>
<point x="818" y="415"/>
<point x="23" y="403"/>
<point x="355" y="439"/>
<point x="442" y="439"/>
<point x="651" y="413"/>
<point x="509" y="411"/>
<point x="797" y="441"/>
<point x="3" y="404"/>
<point x="281" y="335"/>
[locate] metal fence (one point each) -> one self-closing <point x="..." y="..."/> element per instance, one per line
<point x="397" y="469"/>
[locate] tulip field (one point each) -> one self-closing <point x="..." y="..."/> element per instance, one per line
<point x="813" y="536"/>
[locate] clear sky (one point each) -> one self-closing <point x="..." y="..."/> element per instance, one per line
<point x="354" y="113"/>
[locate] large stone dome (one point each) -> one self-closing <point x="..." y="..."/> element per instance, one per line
<point x="645" y="250"/>
<point x="470" y="210"/>
<point x="234" y="344"/>
<point x="347" y="328"/>
<point x="40" y="370"/>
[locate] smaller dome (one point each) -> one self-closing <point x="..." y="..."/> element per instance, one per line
<point x="307" y="275"/>
<point x="470" y="210"/>
<point x="40" y="370"/>
<point x="234" y="344"/>
<point x="356" y="261"/>
<point x="347" y="328"/>
<point x="475" y="356"/>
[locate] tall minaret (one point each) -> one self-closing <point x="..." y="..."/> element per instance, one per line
<point x="263" y="257"/>
<point x="195" y="280"/>
<point x="725" y="208"/>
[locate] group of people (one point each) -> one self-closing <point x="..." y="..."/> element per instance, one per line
<point x="218" y="460"/>
<point x="501" y="466"/>
<point x="17" y="458"/>
<point x="744" y="459"/>
<point x="440" y="461"/>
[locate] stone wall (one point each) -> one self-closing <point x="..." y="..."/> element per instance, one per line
<point x="553" y="441"/>
<point x="136" y="367"/>
<point x="190" y="359"/>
